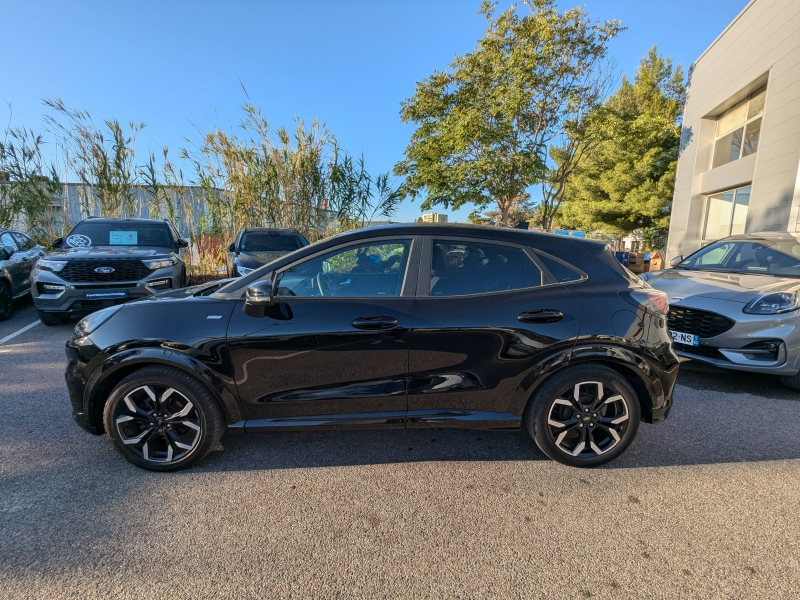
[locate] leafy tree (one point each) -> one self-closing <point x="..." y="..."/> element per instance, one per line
<point x="626" y="182"/>
<point x="483" y="126"/>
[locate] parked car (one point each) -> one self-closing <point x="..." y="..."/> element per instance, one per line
<point x="105" y="262"/>
<point x="255" y="247"/>
<point x="734" y="304"/>
<point x="18" y="254"/>
<point x="510" y="328"/>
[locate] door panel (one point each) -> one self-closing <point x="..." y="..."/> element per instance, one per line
<point x="306" y="358"/>
<point x="469" y="353"/>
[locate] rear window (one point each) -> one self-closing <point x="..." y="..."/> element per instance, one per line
<point x="119" y="234"/>
<point x="271" y="241"/>
<point x="464" y="268"/>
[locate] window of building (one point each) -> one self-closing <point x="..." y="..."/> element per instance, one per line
<point x="726" y="213"/>
<point x="739" y="128"/>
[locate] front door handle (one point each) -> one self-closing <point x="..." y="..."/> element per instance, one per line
<point x="374" y="322"/>
<point x="540" y="315"/>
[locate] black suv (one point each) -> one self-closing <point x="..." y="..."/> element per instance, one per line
<point x="104" y="262"/>
<point x="397" y="326"/>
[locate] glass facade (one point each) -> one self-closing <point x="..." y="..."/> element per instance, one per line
<point x="738" y="129"/>
<point x="726" y="213"/>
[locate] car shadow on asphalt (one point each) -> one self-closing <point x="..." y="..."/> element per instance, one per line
<point x="716" y="418"/>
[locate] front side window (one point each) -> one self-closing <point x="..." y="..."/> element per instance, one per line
<point x="726" y="213"/>
<point x="765" y="257"/>
<point x="739" y="129"/>
<point x="123" y="233"/>
<point x="24" y="242"/>
<point x="463" y="268"/>
<point x="373" y="269"/>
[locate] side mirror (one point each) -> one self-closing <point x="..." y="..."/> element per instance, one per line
<point x="57" y="242"/>
<point x="232" y="247"/>
<point x="676" y="261"/>
<point x="260" y="296"/>
<point x="8" y="251"/>
<point x="182" y="243"/>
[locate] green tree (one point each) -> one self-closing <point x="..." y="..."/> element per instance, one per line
<point x="484" y="125"/>
<point x="626" y="182"/>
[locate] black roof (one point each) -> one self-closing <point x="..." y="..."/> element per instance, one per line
<point x="519" y="236"/>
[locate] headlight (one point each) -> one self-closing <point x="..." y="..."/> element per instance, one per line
<point x="773" y="304"/>
<point x="51" y="265"/>
<point x="88" y="324"/>
<point x="243" y="270"/>
<point x="160" y="263"/>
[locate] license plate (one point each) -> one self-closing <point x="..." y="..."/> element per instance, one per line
<point x="689" y="339"/>
<point x="105" y="295"/>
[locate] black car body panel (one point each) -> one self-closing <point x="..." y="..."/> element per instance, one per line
<point x="15" y="271"/>
<point x="470" y="360"/>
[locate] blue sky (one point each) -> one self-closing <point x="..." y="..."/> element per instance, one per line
<point x="350" y="62"/>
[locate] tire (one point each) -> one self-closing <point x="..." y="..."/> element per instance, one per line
<point x="52" y="320"/>
<point x="6" y="301"/>
<point x="589" y="433"/>
<point x="159" y="429"/>
<point x="791" y="381"/>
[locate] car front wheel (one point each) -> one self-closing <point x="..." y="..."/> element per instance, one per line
<point x="162" y="419"/>
<point x="584" y="416"/>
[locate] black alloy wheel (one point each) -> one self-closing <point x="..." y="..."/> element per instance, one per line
<point x="584" y="416"/>
<point x="6" y="301"/>
<point x="162" y="419"/>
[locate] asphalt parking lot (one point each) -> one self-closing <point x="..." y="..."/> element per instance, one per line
<point x="705" y="505"/>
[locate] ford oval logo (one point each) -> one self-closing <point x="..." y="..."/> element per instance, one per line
<point x="104" y="270"/>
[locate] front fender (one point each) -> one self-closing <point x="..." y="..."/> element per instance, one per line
<point x="117" y="366"/>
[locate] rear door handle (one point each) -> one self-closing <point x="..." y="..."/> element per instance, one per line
<point x="374" y="322"/>
<point x="540" y="315"/>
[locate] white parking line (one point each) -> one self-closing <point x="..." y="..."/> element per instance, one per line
<point x="18" y="331"/>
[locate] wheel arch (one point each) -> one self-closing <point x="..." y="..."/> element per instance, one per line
<point x="116" y="368"/>
<point x="627" y="363"/>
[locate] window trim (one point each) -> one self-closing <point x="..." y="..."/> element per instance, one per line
<point x="409" y="279"/>
<point x="423" y="285"/>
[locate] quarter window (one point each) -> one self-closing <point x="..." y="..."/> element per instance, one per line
<point x="7" y="240"/>
<point x="739" y="129"/>
<point x="461" y="268"/>
<point x="371" y="269"/>
<point x="726" y="213"/>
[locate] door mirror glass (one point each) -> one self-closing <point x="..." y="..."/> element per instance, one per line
<point x="676" y="261"/>
<point x="8" y="251"/>
<point x="371" y="269"/>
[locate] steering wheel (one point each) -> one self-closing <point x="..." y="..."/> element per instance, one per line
<point x="325" y="285"/>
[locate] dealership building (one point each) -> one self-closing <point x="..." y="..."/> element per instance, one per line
<point x="738" y="169"/>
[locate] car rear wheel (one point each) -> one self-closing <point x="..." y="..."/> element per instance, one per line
<point x="162" y="419"/>
<point x="6" y="301"/>
<point x="52" y="320"/>
<point x="584" y="416"/>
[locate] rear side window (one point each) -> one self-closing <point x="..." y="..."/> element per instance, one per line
<point x="463" y="268"/>
<point x="25" y="243"/>
<point x="560" y="271"/>
<point x="7" y="240"/>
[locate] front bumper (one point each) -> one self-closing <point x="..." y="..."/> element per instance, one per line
<point x="732" y="349"/>
<point x="81" y="361"/>
<point x="73" y="299"/>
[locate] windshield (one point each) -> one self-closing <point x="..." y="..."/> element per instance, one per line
<point x="271" y="241"/>
<point x="119" y="234"/>
<point x="763" y="257"/>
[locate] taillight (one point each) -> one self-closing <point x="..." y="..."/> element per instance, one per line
<point x="653" y="299"/>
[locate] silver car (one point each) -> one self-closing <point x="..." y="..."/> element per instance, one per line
<point x="734" y="304"/>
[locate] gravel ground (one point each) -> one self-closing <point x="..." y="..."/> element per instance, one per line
<point x="705" y="505"/>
